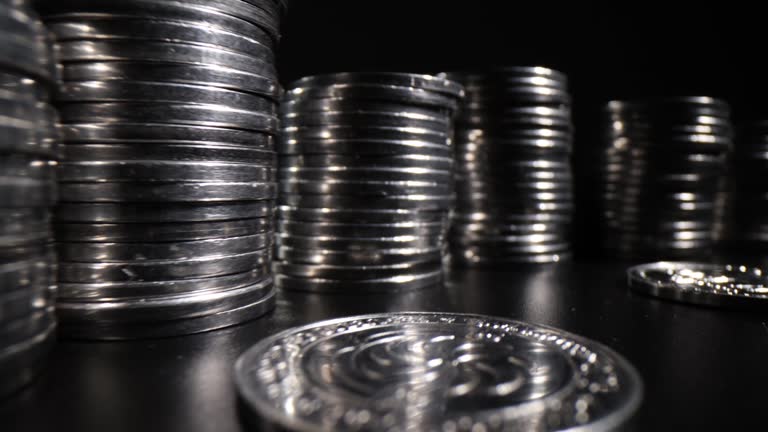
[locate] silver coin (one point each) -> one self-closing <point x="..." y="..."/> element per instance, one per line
<point x="421" y="202"/>
<point x="160" y="232"/>
<point x="363" y="216"/>
<point x="108" y="291"/>
<point x="364" y="188"/>
<point x="435" y="371"/>
<point x="406" y="160"/>
<point x="165" y="328"/>
<point x="305" y="255"/>
<point x="366" y="131"/>
<point x="168" y="11"/>
<point x="191" y="268"/>
<point x="24" y="303"/>
<point x="364" y="147"/>
<point x="406" y="281"/>
<point x="436" y="83"/>
<point x="28" y="138"/>
<point x="18" y="192"/>
<point x="702" y="283"/>
<point x="510" y="71"/>
<point x="168" y="113"/>
<point x="354" y="273"/>
<point x="97" y="252"/>
<point x="26" y="272"/>
<point x="121" y="28"/>
<point x="150" y="151"/>
<point x="26" y="168"/>
<point x="148" y="171"/>
<point x="26" y="327"/>
<point x="543" y="240"/>
<point x="353" y="173"/>
<point x="21" y="362"/>
<point x="291" y="108"/>
<point x="375" y="92"/>
<point x="359" y="243"/>
<point x="30" y="56"/>
<point x="166" y="192"/>
<point x="148" y="133"/>
<point x="161" y="212"/>
<point x="309" y="229"/>
<point x="154" y="92"/>
<point x="494" y="259"/>
<point x="164" y="52"/>
<point x="402" y="119"/>
<point x="161" y="308"/>
<point x="212" y="76"/>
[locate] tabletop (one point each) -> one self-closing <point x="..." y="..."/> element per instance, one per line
<point x="701" y="367"/>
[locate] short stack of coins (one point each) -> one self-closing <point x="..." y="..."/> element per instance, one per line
<point x="28" y="153"/>
<point x="366" y="166"/>
<point x="663" y="172"/>
<point x="514" y="187"/>
<point x="168" y="177"/>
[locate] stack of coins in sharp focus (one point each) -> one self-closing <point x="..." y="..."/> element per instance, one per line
<point x="663" y="172"/>
<point x="746" y="221"/>
<point x="365" y="181"/>
<point x="168" y="178"/>
<point x="513" y="171"/>
<point x="28" y="151"/>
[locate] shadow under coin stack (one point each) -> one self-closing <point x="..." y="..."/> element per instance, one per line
<point x="28" y="140"/>
<point x="365" y="181"/>
<point x="514" y="187"/>
<point x="168" y="180"/>
<point x="664" y="168"/>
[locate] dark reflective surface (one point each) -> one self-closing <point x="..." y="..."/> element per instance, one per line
<point x="701" y="366"/>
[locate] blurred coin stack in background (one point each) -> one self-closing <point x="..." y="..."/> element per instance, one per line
<point x="514" y="187"/>
<point x="168" y="177"/>
<point x="746" y="221"/>
<point x="663" y="171"/>
<point x="28" y="153"/>
<point x="366" y="167"/>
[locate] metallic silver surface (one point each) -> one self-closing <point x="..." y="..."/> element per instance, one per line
<point x="725" y="285"/>
<point x="161" y="212"/>
<point x="433" y="371"/>
<point x="161" y="232"/>
<point x="165" y="171"/>
<point x="147" y="192"/>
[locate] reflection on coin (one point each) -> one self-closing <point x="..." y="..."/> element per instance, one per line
<point x="433" y="371"/>
<point x="702" y="283"/>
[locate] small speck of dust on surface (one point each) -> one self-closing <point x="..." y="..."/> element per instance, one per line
<point x="573" y="309"/>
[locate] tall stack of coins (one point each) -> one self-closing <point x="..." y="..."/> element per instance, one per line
<point x="168" y="181"/>
<point x="663" y="168"/>
<point x="28" y="152"/>
<point x="366" y="168"/>
<point x="746" y="221"/>
<point x="513" y="171"/>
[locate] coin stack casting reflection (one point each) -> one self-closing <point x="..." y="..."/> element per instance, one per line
<point x="365" y="181"/>
<point x="167" y="183"/>
<point x="663" y="170"/>
<point x="28" y="139"/>
<point x="514" y="192"/>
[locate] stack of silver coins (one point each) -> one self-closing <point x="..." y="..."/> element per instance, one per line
<point x="168" y="177"/>
<point x="366" y="167"/>
<point x="513" y="170"/>
<point x="663" y="173"/>
<point x="28" y="153"/>
<point x="746" y="221"/>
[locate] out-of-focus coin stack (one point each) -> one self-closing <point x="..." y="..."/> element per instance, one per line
<point x="168" y="179"/>
<point x="28" y="139"/>
<point x="663" y="171"/>
<point x="365" y="181"/>
<point x="513" y="171"/>
<point x="746" y="221"/>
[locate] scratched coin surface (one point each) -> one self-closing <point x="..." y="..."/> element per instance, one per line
<point x="702" y="283"/>
<point x="435" y="372"/>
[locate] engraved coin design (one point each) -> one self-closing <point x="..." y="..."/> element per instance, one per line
<point x="436" y="372"/>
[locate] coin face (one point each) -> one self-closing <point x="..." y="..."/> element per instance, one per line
<point x="702" y="283"/>
<point x="435" y="372"/>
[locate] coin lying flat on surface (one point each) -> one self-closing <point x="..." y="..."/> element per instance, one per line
<point x="702" y="283"/>
<point x="435" y="372"/>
